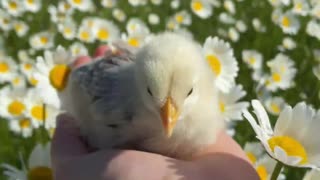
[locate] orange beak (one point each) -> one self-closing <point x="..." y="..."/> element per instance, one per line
<point x="169" y="115"/>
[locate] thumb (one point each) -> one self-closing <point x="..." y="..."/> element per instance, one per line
<point x="66" y="142"/>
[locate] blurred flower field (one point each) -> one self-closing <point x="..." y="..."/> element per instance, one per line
<point x="259" y="49"/>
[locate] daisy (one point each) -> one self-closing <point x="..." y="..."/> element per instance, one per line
<point x="276" y="15"/>
<point x="23" y="56"/>
<point x="68" y="29"/>
<point x="119" y="15"/>
<point x="265" y="167"/>
<point x="65" y="7"/>
<point x="312" y="175"/>
<point x="277" y="3"/>
<point x="39" y="165"/>
<point x="282" y="73"/>
<point x="226" y="18"/>
<point x="21" y="126"/>
<point x="12" y="103"/>
<point x="233" y="34"/>
<point x="274" y="105"/>
<point x="18" y="81"/>
<point x="289" y="23"/>
<point x="315" y="12"/>
<point x="289" y="43"/>
<point x="42" y="40"/>
<point x="137" y="2"/>
<point x="175" y="4"/>
<point x="78" y="49"/>
<point x="7" y="69"/>
<point x="183" y="17"/>
<point x="257" y="25"/>
<point x="156" y="2"/>
<point x="301" y="7"/>
<point x="52" y="72"/>
<point x="135" y="24"/>
<point x="85" y="34"/>
<point x="105" y="31"/>
<point x="32" y="5"/>
<point x="153" y="19"/>
<point x="313" y="29"/>
<point x="108" y="3"/>
<point x="292" y="141"/>
<point x="241" y="26"/>
<point x="252" y="58"/>
<point x="5" y="21"/>
<point x="229" y="106"/>
<point x="221" y="59"/>
<point x="81" y="5"/>
<point x="20" y="27"/>
<point x="172" y="24"/>
<point x="13" y="7"/>
<point x="254" y="151"/>
<point x="26" y="67"/>
<point x="137" y="38"/>
<point x="56" y="15"/>
<point x="201" y="8"/>
<point x="229" y="6"/>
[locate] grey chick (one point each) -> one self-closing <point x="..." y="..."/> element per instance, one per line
<point x="160" y="98"/>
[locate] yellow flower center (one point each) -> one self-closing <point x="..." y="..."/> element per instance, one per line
<point x="44" y="40"/>
<point x="133" y="42"/>
<point x="299" y="6"/>
<point x="16" y="108"/>
<point x="275" y="108"/>
<point x="214" y="63"/>
<point x="251" y="157"/>
<point x="276" y="77"/>
<point x="16" y="81"/>
<point x="103" y="34"/>
<point x="197" y="6"/>
<point x="67" y="30"/>
<point x="77" y="1"/>
<point x="262" y="172"/>
<point x="84" y="35"/>
<point x="179" y="18"/>
<point x="40" y="173"/>
<point x="38" y="112"/>
<point x="13" y="5"/>
<point x="59" y="75"/>
<point x="4" y="67"/>
<point x="252" y="60"/>
<point x="286" y="21"/>
<point x="66" y="6"/>
<point x="291" y="146"/>
<point x="30" y="1"/>
<point x="27" y="66"/>
<point x="18" y="27"/>
<point x="24" y="123"/>
<point x="222" y="107"/>
<point x="33" y="81"/>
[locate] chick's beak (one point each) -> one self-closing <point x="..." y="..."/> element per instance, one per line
<point x="169" y="115"/>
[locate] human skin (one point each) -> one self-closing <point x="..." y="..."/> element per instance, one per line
<point x="73" y="159"/>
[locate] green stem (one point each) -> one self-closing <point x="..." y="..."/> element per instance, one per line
<point x="276" y="171"/>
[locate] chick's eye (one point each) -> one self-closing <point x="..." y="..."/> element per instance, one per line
<point x="149" y="91"/>
<point x="190" y="92"/>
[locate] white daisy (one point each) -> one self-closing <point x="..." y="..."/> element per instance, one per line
<point x="233" y="34"/>
<point x="282" y="73"/>
<point x="252" y="58"/>
<point x="18" y="81"/>
<point x="135" y="24"/>
<point x="258" y="26"/>
<point x="82" y="5"/>
<point x="105" y="30"/>
<point x="42" y="40"/>
<point x="229" y="6"/>
<point x="68" y="29"/>
<point x="21" y="126"/>
<point x="301" y="7"/>
<point x="265" y="166"/>
<point x="229" y="106"/>
<point x="137" y="2"/>
<point x="85" y="34"/>
<point x="13" y="7"/>
<point x="108" y="3"/>
<point x="5" y="21"/>
<point x="39" y="165"/>
<point x="52" y="72"/>
<point x="289" y="23"/>
<point x="175" y="4"/>
<point x="153" y="19"/>
<point x="172" y="24"/>
<point x="313" y="29"/>
<point x="7" y="69"/>
<point x="277" y="3"/>
<point x="221" y="59"/>
<point x="293" y="141"/>
<point x="56" y="15"/>
<point x="274" y="105"/>
<point x="32" y="5"/>
<point x="119" y="15"/>
<point x="12" y="103"/>
<point x="254" y="151"/>
<point x="136" y="38"/>
<point x="226" y="18"/>
<point x="23" y="56"/>
<point x="183" y="17"/>
<point x="241" y="26"/>
<point x="315" y="12"/>
<point x="289" y="43"/>
<point x="201" y="8"/>
<point x="78" y="49"/>
<point x="64" y="7"/>
<point x="20" y="27"/>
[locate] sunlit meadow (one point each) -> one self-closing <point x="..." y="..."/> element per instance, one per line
<point x="259" y="49"/>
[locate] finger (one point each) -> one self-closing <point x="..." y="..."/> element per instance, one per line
<point x="80" y="61"/>
<point x="66" y="142"/>
<point x="101" y="50"/>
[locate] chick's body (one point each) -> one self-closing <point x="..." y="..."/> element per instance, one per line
<point x="118" y="101"/>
